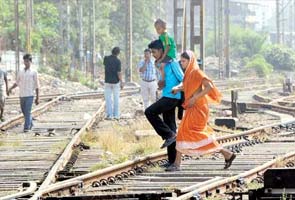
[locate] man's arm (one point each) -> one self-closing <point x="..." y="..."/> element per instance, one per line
<point x="12" y="87"/>
<point x="142" y="67"/>
<point x="36" y="80"/>
<point x="120" y="79"/>
<point x="37" y="96"/>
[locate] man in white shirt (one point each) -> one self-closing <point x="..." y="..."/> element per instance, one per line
<point x="3" y="79"/>
<point x="28" y="83"/>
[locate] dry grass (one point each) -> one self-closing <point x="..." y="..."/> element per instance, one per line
<point x="254" y="185"/>
<point x="120" y="143"/>
<point x="16" y="143"/>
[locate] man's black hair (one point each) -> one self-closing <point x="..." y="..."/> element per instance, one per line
<point x="115" y="51"/>
<point x="147" y="50"/>
<point x="27" y="57"/>
<point x="156" y="44"/>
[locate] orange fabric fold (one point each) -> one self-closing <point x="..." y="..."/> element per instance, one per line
<point x="194" y="135"/>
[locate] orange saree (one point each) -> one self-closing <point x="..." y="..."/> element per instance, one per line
<point x="194" y="135"/>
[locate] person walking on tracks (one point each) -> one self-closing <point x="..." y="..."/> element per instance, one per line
<point x="28" y="83"/>
<point x="193" y="137"/>
<point x="3" y="79"/>
<point x="166" y="128"/>
<point x="148" y="75"/>
<point x="113" y="83"/>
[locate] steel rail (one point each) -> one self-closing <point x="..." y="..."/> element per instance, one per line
<point x="222" y="184"/>
<point x="89" y="178"/>
<point x="37" y="111"/>
<point x="31" y="189"/>
<point x="104" y="174"/>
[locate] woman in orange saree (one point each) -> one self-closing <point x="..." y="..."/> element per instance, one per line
<point x="194" y="135"/>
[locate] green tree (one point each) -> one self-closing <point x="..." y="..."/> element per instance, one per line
<point x="259" y="64"/>
<point x="243" y="42"/>
<point x="282" y="58"/>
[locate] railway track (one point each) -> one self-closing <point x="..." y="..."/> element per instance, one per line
<point x="100" y="186"/>
<point x="58" y="126"/>
<point x="198" y="176"/>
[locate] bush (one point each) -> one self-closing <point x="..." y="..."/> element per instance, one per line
<point x="259" y="64"/>
<point x="282" y="58"/>
<point x="245" y="42"/>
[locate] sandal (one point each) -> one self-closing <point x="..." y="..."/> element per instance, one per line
<point x="229" y="161"/>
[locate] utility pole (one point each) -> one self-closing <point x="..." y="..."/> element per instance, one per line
<point x="92" y="36"/>
<point x="68" y="26"/>
<point x="283" y="22"/>
<point x="81" y="50"/>
<point x="16" y="19"/>
<point x="128" y="39"/>
<point x="220" y="38"/>
<point x="227" y="32"/>
<point x="290" y="28"/>
<point x="278" y="21"/>
<point x="29" y="16"/>
<point x="184" y="38"/>
<point x="293" y="30"/>
<point x="215" y="27"/>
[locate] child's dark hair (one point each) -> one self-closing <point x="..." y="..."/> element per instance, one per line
<point x="27" y="57"/>
<point x="156" y="44"/>
<point x="147" y="51"/>
<point x="161" y="23"/>
<point x="185" y="55"/>
<point x="115" y="51"/>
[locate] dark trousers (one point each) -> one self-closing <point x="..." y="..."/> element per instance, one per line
<point x="166" y="128"/>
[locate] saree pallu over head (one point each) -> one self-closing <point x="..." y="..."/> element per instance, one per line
<point x="194" y="135"/>
<point x="193" y="78"/>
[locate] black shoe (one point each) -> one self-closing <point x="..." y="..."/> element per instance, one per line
<point x="229" y="161"/>
<point x="165" y="165"/>
<point x="172" y="168"/>
<point x="168" y="142"/>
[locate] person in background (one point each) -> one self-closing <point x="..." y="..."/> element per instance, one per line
<point x="170" y="51"/>
<point x="194" y="135"/>
<point x="165" y="106"/>
<point x="3" y="79"/>
<point x="28" y="83"/>
<point x="113" y="83"/>
<point x="148" y="75"/>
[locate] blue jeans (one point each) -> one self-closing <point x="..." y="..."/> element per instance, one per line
<point x="26" y="107"/>
<point x="111" y="94"/>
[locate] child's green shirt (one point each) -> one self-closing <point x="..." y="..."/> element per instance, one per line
<point x="167" y="40"/>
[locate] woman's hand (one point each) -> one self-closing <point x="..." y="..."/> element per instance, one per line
<point x="191" y="101"/>
<point x="175" y="89"/>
